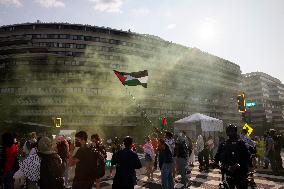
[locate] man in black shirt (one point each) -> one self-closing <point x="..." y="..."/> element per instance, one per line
<point x="234" y="156"/>
<point x="85" y="161"/>
<point x="126" y="162"/>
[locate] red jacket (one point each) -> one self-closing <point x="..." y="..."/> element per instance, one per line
<point x="11" y="154"/>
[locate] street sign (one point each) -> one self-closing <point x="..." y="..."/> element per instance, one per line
<point x="249" y="128"/>
<point x="250" y="104"/>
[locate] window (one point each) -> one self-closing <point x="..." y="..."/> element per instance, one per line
<point x="96" y="39"/>
<point x="42" y="44"/>
<point x="62" y="36"/>
<point x="88" y="38"/>
<point x="80" y="46"/>
<point x="104" y="40"/>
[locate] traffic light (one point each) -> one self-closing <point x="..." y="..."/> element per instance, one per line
<point x="241" y="103"/>
<point x="57" y="122"/>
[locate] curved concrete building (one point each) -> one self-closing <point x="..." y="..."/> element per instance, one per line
<point x="50" y="70"/>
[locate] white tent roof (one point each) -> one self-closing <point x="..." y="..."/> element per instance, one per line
<point x="196" y="117"/>
<point x="207" y="123"/>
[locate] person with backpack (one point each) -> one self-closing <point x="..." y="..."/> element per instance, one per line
<point x="51" y="166"/>
<point x="98" y="148"/>
<point x="86" y="163"/>
<point x="126" y="162"/>
<point x="10" y="160"/>
<point x="181" y="152"/>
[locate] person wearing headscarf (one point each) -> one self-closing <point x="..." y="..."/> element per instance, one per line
<point x="51" y="166"/>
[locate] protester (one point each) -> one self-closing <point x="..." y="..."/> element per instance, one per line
<point x="260" y="150"/>
<point x="30" y="167"/>
<point x="127" y="161"/>
<point x="277" y="149"/>
<point x="192" y="154"/>
<point x="100" y="150"/>
<point x="205" y="155"/>
<point x="115" y="147"/>
<point x="149" y="158"/>
<point x="167" y="167"/>
<point x="63" y="151"/>
<point x="85" y="161"/>
<point x="160" y="152"/>
<point x="210" y="144"/>
<point x="234" y="156"/>
<point x="181" y="152"/>
<point x="10" y="163"/>
<point x="274" y="151"/>
<point x="155" y="144"/>
<point x="268" y="146"/>
<point x="51" y="166"/>
<point x="28" y="145"/>
<point x="200" y="150"/>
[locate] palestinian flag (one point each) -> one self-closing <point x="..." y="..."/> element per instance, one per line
<point x="133" y="78"/>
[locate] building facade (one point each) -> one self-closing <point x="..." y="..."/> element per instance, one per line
<point x="268" y="93"/>
<point x="50" y="70"/>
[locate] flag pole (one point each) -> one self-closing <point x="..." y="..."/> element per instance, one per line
<point x="138" y="105"/>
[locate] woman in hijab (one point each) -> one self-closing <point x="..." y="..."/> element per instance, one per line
<point x="51" y="166"/>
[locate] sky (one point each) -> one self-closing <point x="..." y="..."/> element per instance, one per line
<point x="249" y="33"/>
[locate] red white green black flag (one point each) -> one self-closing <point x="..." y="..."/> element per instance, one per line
<point x="133" y="78"/>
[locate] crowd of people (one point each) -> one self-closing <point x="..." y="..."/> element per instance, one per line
<point x="46" y="163"/>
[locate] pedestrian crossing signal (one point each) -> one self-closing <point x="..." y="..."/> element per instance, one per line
<point x="57" y="122"/>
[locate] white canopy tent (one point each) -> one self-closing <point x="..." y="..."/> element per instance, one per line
<point x="197" y="124"/>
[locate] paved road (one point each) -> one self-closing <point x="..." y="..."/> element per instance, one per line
<point x="210" y="180"/>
